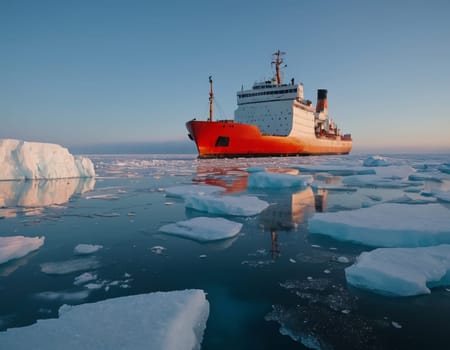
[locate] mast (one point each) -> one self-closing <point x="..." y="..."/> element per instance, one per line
<point x="278" y="61"/>
<point x="211" y="97"/>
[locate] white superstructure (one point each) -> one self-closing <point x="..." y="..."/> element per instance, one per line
<point x="281" y="109"/>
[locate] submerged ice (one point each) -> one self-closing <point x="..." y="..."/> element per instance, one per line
<point x="22" y="160"/>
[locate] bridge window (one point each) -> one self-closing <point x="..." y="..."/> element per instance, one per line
<point x="222" y="141"/>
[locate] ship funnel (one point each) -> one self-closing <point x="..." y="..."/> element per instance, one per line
<point x="322" y="103"/>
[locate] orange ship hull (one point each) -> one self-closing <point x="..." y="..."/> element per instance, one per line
<point x="227" y="139"/>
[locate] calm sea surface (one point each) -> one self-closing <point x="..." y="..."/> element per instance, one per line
<point x="274" y="286"/>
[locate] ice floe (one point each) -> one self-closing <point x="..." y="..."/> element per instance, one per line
<point x="162" y="320"/>
<point x="338" y="170"/>
<point x="387" y="225"/>
<point x="23" y="160"/>
<point x="401" y="271"/>
<point x="62" y="296"/>
<point x="376" y="161"/>
<point x="262" y="179"/>
<point x="85" y="249"/>
<point x="204" y="229"/>
<point x="84" y="278"/>
<point x="441" y="195"/>
<point x="14" y="247"/>
<point x="189" y="190"/>
<point x="227" y="205"/>
<point x="69" y="266"/>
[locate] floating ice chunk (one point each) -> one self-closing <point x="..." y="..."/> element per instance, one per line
<point x="157" y="249"/>
<point x="14" y="247"/>
<point x="275" y="180"/>
<point x="227" y="205"/>
<point x="401" y="271"/>
<point x="63" y="296"/>
<point x="424" y="177"/>
<point x="376" y="161"/>
<point x="442" y="195"/>
<point x="189" y="190"/>
<point x="445" y="168"/>
<point x="374" y="181"/>
<point x="399" y="172"/>
<point x="169" y="320"/>
<point x="84" y="278"/>
<point x="204" y="229"/>
<point x="69" y="266"/>
<point x="338" y="170"/>
<point x="387" y="225"/>
<point x="33" y="160"/>
<point x="84" y="249"/>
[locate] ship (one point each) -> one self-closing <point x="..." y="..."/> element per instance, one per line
<point x="271" y="119"/>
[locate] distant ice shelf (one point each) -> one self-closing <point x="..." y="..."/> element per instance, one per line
<point x="22" y="160"/>
<point x="162" y="320"/>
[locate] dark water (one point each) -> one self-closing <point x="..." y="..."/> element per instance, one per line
<point x="274" y="286"/>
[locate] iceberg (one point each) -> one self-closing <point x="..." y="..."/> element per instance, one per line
<point x="204" y="229"/>
<point x="227" y="205"/>
<point x="401" y="271"/>
<point x="162" y="320"/>
<point x="262" y="179"/>
<point x="14" y="247"/>
<point x="22" y="160"/>
<point x="387" y="225"/>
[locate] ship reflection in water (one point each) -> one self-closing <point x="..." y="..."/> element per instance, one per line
<point x="31" y="197"/>
<point x="288" y="210"/>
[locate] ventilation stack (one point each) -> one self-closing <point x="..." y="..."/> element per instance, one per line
<point x="322" y="103"/>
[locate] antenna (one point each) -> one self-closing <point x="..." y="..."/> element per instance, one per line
<point x="211" y="98"/>
<point x="278" y="61"/>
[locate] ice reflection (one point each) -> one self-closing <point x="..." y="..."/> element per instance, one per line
<point x="38" y="194"/>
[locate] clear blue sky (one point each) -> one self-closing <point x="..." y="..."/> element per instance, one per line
<point x="92" y="72"/>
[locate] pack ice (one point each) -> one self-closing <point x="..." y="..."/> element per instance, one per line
<point x="162" y="320"/>
<point x="387" y="225"/>
<point x="401" y="271"/>
<point x="22" y="160"/>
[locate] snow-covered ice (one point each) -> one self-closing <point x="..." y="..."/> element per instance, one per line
<point x="22" y="160"/>
<point x="85" y="249"/>
<point x="401" y="271"/>
<point x="387" y="225"/>
<point x="204" y="229"/>
<point x="183" y="191"/>
<point x="69" y="266"/>
<point x="262" y="179"/>
<point x="14" y="247"/>
<point x="162" y="320"/>
<point x="227" y="205"/>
